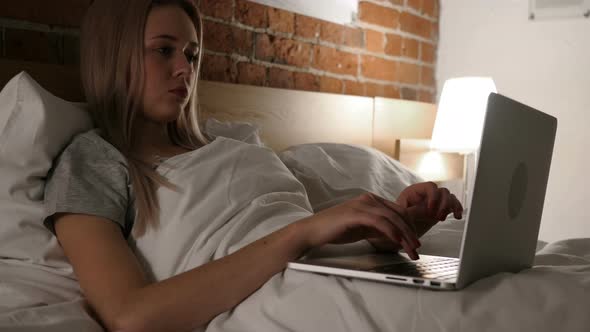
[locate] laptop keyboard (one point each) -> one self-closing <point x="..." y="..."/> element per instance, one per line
<point x="442" y="268"/>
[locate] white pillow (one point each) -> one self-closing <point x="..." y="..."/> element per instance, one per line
<point x="35" y="126"/>
<point x="332" y="173"/>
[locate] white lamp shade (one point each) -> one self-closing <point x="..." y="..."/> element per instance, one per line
<point x="460" y="114"/>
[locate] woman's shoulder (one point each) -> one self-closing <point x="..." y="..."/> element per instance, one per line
<point x="91" y="145"/>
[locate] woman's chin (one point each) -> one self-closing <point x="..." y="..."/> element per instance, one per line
<point x="168" y="116"/>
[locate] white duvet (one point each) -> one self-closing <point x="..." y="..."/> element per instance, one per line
<point x="552" y="296"/>
<point x="232" y="193"/>
<point x="250" y="193"/>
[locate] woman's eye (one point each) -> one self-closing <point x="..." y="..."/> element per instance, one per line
<point x="167" y="52"/>
<point x="164" y="50"/>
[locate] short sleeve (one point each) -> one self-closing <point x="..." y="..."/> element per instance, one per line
<point x="88" y="178"/>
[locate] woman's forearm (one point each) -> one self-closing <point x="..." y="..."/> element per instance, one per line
<point x="193" y="298"/>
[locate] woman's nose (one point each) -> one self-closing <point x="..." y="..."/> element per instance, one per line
<point x="183" y="66"/>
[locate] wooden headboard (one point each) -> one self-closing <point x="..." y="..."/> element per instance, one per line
<point x="286" y="117"/>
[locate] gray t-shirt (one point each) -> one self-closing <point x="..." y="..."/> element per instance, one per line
<point x="90" y="177"/>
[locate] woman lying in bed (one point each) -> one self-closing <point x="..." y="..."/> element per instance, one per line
<point x="140" y="61"/>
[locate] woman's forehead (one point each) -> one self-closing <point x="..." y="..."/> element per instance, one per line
<point x="170" y="22"/>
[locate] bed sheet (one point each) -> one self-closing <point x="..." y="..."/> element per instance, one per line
<point x="35" y="298"/>
<point x="553" y="295"/>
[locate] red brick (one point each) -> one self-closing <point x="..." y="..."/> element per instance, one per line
<point x="393" y="44"/>
<point x="331" y="32"/>
<point x="330" y="85"/>
<point x="379" y="15"/>
<point x="427" y="76"/>
<point x="242" y="41"/>
<point x="425" y="96"/>
<point x="378" y="68"/>
<point x="428" y="53"/>
<point x="430" y="8"/>
<point x="415" y="25"/>
<point x="340" y="34"/>
<point x="408" y="73"/>
<point x="410" y="48"/>
<point x="415" y="5"/>
<point x="354" y="88"/>
<point x="375" y="41"/>
<point x="252" y="74"/>
<point x="352" y="37"/>
<point x="217" y="68"/>
<point x="280" y="78"/>
<point x="251" y="14"/>
<point x="306" y="81"/>
<point x="332" y="60"/>
<point x="222" y="9"/>
<point x="224" y="38"/>
<point x="291" y="52"/>
<point x="381" y="90"/>
<point x="218" y="37"/>
<point x="67" y="13"/>
<point x="281" y="20"/>
<point x="264" y="47"/>
<point x="425" y="7"/>
<point x="408" y="93"/>
<point x="32" y="45"/>
<point x="396" y="2"/>
<point x="282" y="50"/>
<point x="307" y="27"/>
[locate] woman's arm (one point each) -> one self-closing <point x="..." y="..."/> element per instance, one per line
<point x="115" y="286"/>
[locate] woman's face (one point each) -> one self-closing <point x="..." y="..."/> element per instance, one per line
<point x="171" y="48"/>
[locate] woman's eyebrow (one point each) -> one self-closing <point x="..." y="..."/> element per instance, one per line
<point x="192" y="43"/>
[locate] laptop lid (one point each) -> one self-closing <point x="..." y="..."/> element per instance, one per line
<point x="509" y="190"/>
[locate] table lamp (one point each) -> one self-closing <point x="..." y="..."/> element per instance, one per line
<point x="459" y="123"/>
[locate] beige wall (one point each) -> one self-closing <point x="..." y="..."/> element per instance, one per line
<point x="545" y="64"/>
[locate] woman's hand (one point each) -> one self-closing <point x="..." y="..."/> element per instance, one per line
<point x="424" y="205"/>
<point x="364" y="217"/>
<point x="428" y="204"/>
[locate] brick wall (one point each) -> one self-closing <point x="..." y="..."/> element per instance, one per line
<point x="390" y="50"/>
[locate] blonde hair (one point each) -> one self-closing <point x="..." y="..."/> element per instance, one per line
<point x="111" y="68"/>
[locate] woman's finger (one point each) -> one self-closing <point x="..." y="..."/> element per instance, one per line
<point x="401" y="211"/>
<point x="457" y="208"/>
<point x="445" y="204"/>
<point x="408" y="234"/>
<point x="389" y="230"/>
<point x="426" y="191"/>
<point x="401" y="217"/>
<point x="408" y="248"/>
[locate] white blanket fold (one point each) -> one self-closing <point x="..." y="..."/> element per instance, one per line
<point x="232" y="193"/>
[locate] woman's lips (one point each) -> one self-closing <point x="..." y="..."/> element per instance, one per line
<point x="180" y="92"/>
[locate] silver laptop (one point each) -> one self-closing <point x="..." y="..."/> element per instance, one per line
<point x="502" y="225"/>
